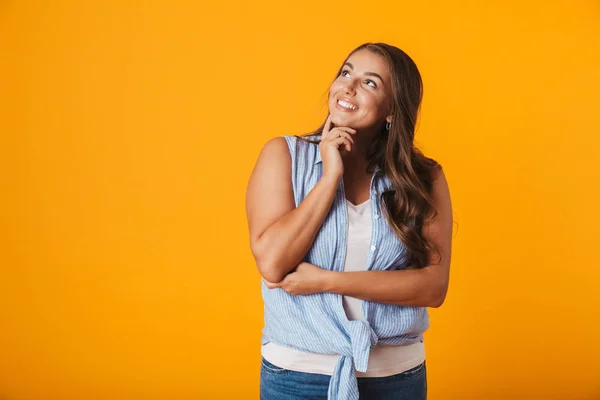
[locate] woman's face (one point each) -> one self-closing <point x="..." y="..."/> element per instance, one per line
<point x="360" y="95"/>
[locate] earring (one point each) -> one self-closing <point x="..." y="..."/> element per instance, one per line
<point x="388" y="125"/>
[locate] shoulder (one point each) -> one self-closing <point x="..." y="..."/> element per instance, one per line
<point x="438" y="178"/>
<point x="276" y="144"/>
<point x="440" y="191"/>
<point x="273" y="153"/>
<point x="279" y="143"/>
<point x="285" y="146"/>
<point x="303" y="148"/>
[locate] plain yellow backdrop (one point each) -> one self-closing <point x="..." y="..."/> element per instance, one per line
<point x="129" y="131"/>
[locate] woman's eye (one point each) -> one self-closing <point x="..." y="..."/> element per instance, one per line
<point x="373" y="84"/>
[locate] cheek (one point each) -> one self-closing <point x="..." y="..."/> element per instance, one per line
<point x="334" y="88"/>
<point x="378" y="104"/>
<point x="374" y="103"/>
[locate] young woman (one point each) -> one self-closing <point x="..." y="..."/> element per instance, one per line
<point x="352" y="236"/>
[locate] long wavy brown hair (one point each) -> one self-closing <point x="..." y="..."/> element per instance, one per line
<point x="408" y="204"/>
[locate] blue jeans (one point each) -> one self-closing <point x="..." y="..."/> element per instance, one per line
<point x="278" y="383"/>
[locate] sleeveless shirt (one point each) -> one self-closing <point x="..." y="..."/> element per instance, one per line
<point x="383" y="360"/>
<point x="318" y="323"/>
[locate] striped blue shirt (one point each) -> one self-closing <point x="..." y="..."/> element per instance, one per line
<point x="317" y="323"/>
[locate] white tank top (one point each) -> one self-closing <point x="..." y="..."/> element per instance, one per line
<point x="383" y="360"/>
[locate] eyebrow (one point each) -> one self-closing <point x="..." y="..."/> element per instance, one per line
<point x="366" y="73"/>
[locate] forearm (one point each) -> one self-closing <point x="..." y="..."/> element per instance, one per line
<point x="284" y="244"/>
<point x="408" y="287"/>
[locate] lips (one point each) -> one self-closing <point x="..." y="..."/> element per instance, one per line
<point x="346" y="104"/>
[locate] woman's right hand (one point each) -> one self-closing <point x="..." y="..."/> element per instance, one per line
<point x="331" y="140"/>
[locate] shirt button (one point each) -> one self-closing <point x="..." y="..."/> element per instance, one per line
<point x="373" y="248"/>
<point x="376" y="216"/>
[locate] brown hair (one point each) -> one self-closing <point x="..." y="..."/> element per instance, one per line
<point x="409" y="202"/>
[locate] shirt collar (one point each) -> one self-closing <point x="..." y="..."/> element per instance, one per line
<point x="318" y="158"/>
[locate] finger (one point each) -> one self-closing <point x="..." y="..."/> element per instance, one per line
<point x="348" y="136"/>
<point x="341" y="134"/>
<point x="326" y="127"/>
<point x="340" y="131"/>
<point x="345" y="142"/>
<point x="345" y="129"/>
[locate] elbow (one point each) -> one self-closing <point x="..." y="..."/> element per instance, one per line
<point x="438" y="296"/>
<point x="267" y="267"/>
<point x="436" y="287"/>
<point x="270" y="273"/>
<point x="264" y="265"/>
<point x="268" y="262"/>
<point x="271" y="265"/>
<point x="437" y="302"/>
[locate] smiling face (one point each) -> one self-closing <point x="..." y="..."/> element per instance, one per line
<point x="360" y="96"/>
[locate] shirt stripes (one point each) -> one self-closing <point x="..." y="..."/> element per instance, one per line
<point x="317" y="323"/>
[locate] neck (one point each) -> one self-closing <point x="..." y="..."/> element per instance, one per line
<point x="356" y="160"/>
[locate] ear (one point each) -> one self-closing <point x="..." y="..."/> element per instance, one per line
<point x="388" y="118"/>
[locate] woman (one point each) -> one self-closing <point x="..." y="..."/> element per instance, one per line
<point x="352" y="236"/>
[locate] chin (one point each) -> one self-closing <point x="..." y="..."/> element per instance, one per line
<point x="341" y="120"/>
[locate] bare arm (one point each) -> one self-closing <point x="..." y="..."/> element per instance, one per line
<point x="425" y="287"/>
<point x="408" y="287"/>
<point x="281" y="233"/>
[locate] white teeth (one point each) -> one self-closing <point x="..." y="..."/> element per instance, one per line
<point x="346" y="105"/>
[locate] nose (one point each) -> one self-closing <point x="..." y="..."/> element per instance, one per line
<point x="349" y="87"/>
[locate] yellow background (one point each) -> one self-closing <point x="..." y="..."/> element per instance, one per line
<point x="129" y="131"/>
